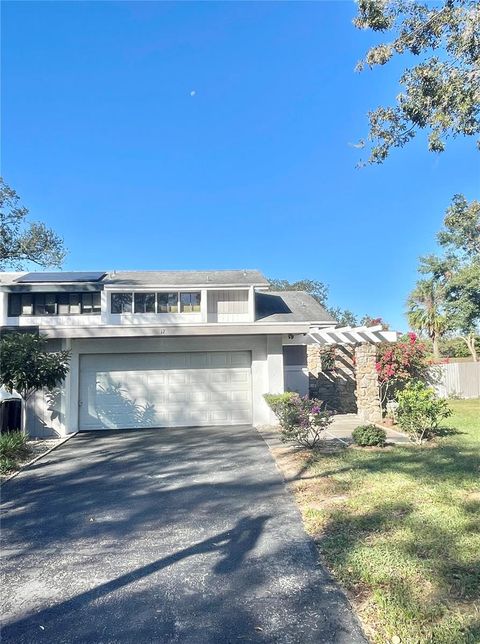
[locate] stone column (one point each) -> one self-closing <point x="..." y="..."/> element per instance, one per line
<point x="314" y="366"/>
<point x="367" y="393"/>
<point x="345" y="380"/>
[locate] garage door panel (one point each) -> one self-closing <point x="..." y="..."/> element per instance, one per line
<point x="151" y="390"/>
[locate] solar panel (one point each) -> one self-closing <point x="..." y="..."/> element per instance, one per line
<point x="77" y="276"/>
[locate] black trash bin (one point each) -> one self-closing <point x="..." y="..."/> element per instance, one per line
<point x="10" y="415"/>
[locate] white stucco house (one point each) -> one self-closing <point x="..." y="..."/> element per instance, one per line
<point x="162" y="348"/>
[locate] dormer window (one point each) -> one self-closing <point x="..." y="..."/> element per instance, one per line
<point x="190" y="302"/>
<point x="144" y="302"/>
<point x="168" y="302"/>
<point x="122" y="302"/>
<point x="54" y="303"/>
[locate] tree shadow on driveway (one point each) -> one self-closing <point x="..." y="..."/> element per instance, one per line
<point x="232" y="546"/>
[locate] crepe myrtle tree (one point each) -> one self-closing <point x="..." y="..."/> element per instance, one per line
<point x="440" y="92"/>
<point x="27" y="366"/>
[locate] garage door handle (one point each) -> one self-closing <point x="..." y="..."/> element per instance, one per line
<point x="80" y="403"/>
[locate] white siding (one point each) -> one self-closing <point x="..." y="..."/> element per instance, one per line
<point x="228" y="306"/>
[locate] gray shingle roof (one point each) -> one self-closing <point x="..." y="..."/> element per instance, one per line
<point x="187" y="278"/>
<point x="290" y="306"/>
<point x="165" y="278"/>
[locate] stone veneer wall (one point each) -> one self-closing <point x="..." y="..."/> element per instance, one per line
<point x="368" y="393"/>
<point x="352" y="387"/>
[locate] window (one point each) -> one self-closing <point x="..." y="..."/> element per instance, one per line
<point x="14" y="304"/>
<point x="167" y="302"/>
<point x="121" y="302"/>
<point x="63" y="303"/>
<point x="91" y="302"/>
<point x="144" y="302"/>
<point x="75" y="300"/>
<point x="45" y="304"/>
<point x="190" y="302"/>
<point x="54" y="303"/>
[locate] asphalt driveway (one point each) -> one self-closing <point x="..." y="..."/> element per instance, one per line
<point x="179" y="535"/>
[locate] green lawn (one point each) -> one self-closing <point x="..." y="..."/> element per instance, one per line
<point x="400" y="528"/>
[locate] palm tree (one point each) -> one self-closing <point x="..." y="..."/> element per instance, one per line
<point x="424" y="311"/>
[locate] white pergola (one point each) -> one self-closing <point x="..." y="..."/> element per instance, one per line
<point x="347" y="335"/>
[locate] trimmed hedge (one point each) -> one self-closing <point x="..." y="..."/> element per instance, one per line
<point x="369" y="436"/>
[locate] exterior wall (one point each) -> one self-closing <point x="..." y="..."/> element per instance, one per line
<point x="335" y="387"/>
<point x="352" y="386"/>
<point x="59" y="415"/>
<point x="228" y="306"/>
<point x="217" y="306"/>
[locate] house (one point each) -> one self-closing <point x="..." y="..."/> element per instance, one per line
<point x="162" y="348"/>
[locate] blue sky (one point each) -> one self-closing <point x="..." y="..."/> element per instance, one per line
<point x="104" y="141"/>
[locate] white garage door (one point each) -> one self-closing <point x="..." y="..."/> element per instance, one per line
<point x="164" y="389"/>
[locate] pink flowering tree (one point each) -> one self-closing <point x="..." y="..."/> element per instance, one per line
<point x="399" y="363"/>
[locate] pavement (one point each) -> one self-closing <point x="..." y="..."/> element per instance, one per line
<point x="179" y="535"/>
<point x="344" y="424"/>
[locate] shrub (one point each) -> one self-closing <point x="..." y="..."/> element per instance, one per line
<point x="369" y="436"/>
<point x="7" y="464"/>
<point x="397" y="364"/>
<point x="13" y="445"/>
<point x="301" y="419"/>
<point x="420" y="411"/>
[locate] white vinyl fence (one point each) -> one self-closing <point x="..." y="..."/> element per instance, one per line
<point x="456" y="379"/>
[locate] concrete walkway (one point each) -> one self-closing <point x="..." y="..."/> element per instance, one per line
<point x="184" y="535"/>
<point x="344" y="424"/>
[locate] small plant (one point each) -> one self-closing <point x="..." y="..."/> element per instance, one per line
<point x="392" y="410"/>
<point x="13" y="447"/>
<point x="301" y="419"/>
<point x="420" y="411"/>
<point x="369" y="436"/>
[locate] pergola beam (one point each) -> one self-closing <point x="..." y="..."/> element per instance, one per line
<point x="347" y="335"/>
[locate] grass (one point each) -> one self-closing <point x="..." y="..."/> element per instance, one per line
<point x="13" y="449"/>
<point x="400" y="529"/>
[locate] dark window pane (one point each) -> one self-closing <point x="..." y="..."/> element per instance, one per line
<point x="295" y="354"/>
<point x="27" y="304"/>
<point x="121" y="302"/>
<point x="75" y="303"/>
<point x="144" y="302"/>
<point x="63" y="303"/>
<point x="87" y="303"/>
<point x="50" y="304"/>
<point x="96" y="302"/>
<point x="39" y="304"/>
<point x="167" y="302"/>
<point x="190" y="302"/>
<point x="14" y="304"/>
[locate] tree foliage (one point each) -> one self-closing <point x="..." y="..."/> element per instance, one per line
<point x="319" y="291"/>
<point x="316" y="289"/>
<point x="456" y="273"/>
<point x="441" y="93"/>
<point x="22" y="242"/>
<point x="27" y="366"/>
<point x="425" y="311"/>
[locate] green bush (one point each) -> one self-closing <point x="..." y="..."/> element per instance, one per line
<point x="301" y="418"/>
<point x="13" y="447"/>
<point x="7" y="464"/>
<point x="369" y="436"/>
<point x="420" y="411"/>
